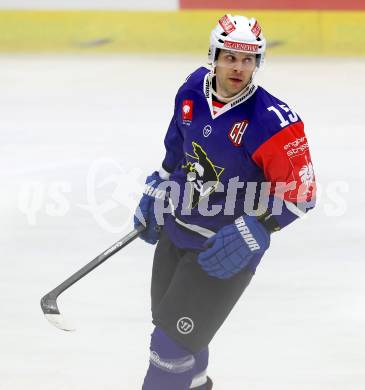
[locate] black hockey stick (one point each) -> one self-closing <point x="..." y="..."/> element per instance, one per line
<point x="49" y="301"/>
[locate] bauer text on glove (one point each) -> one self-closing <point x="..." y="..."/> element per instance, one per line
<point x="235" y="247"/>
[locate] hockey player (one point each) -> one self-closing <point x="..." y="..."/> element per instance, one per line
<point x="238" y="169"/>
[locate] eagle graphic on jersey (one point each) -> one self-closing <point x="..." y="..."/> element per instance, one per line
<point x="201" y="173"/>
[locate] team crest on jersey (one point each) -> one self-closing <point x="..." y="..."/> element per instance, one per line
<point x="187" y="112"/>
<point x="201" y="174"/>
<point x="236" y="133"/>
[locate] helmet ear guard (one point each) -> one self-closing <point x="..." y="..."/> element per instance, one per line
<point x="237" y="33"/>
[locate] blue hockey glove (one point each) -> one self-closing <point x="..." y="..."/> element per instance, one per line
<point x="234" y="247"/>
<point x="145" y="214"/>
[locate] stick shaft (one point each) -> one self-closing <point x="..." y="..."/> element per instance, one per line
<point x="96" y="262"/>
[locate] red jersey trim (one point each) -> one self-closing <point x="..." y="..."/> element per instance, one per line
<point x="216" y="106"/>
<point x="286" y="162"/>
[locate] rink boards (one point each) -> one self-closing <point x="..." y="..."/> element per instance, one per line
<point x="339" y="33"/>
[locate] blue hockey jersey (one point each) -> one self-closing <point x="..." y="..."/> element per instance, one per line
<point x="223" y="163"/>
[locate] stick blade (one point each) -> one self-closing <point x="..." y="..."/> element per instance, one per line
<point x="53" y="315"/>
<point x="59" y="322"/>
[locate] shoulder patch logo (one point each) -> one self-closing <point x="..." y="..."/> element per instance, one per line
<point x="187" y="111"/>
<point x="303" y="175"/>
<point x="236" y="133"/>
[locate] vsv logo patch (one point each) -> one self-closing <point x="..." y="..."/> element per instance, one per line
<point x="201" y="174"/>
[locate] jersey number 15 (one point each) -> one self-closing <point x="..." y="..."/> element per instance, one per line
<point x="292" y="116"/>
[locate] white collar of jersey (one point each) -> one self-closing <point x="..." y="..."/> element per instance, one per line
<point x="228" y="99"/>
<point x="241" y="97"/>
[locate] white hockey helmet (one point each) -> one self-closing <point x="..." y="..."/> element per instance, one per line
<point x="237" y="33"/>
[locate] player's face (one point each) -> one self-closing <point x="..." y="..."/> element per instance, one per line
<point x="233" y="71"/>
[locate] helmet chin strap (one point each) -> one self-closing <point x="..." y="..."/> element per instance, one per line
<point x="228" y="99"/>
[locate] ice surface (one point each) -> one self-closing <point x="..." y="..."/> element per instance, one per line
<point x="78" y="136"/>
